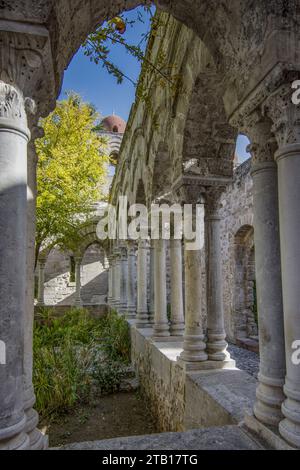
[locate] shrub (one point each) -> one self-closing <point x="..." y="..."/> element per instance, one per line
<point x="116" y="338"/>
<point x="75" y="357"/>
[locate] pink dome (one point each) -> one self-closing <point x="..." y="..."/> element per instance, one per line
<point x="114" y="124"/>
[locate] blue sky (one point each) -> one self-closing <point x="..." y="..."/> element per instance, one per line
<point x="95" y="85"/>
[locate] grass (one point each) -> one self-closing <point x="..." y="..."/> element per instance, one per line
<point x="77" y="358"/>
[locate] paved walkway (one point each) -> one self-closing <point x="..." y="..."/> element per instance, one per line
<point x="245" y="360"/>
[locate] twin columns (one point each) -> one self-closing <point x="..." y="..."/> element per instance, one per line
<point x="141" y="268"/>
<point x="276" y="176"/>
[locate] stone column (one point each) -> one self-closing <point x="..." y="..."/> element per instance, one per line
<point x="286" y="119"/>
<point x="177" y="315"/>
<point x="216" y="347"/>
<point x="131" y="280"/>
<point x="152" y="280"/>
<point x="142" y="307"/>
<point x="113" y="281"/>
<point x="37" y="439"/>
<point x="123" y="279"/>
<point x="193" y="354"/>
<point x="14" y="136"/>
<point x="117" y="279"/>
<point x="161" y="324"/>
<point x="41" y="283"/>
<point x="269" y="394"/>
<point x="110" y="293"/>
<point x="78" y="281"/>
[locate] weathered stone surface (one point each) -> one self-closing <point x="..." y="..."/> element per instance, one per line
<point x="224" y="438"/>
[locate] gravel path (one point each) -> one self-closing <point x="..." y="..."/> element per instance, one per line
<point x="245" y="360"/>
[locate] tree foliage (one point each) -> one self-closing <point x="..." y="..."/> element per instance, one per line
<point x="98" y="47"/>
<point x="71" y="171"/>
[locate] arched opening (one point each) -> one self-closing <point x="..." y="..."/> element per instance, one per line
<point x="94" y="281"/>
<point x="140" y="197"/>
<point x="59" y="277"/>
<point x="245" y="307"/>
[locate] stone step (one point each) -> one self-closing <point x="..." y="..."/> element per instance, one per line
<point x="217" y="438"/>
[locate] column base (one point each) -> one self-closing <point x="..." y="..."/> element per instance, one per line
<point x="14" y="437"/>
<point x="151" y="318"/>
<point x="177" y="329"/>
<point x="289" y="428"/>
<point x="205" y="365"/>
<point x="36" y="437"/>
<point x="142" y="320"/>
<point x="270" y="397"/>
<point x="216" y="347"/>
<point x="166" y="339"/>
<point x="130" y="314"/>
<point x="193" y="348"/>
<point x="269" y="434"/>
<point x="161" y="330"/>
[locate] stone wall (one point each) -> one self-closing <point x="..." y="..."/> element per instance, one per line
<point x="59" y="290"/>
<point x="162" y="382"/>
<point x="238" y="253"/>
<point x="182" y="401"/>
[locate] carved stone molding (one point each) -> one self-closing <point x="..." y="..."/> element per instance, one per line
<point x="12" y="103"/>
<point x="263" y="143"/>
<point x="213" y="200"/>
<point x="285" y="116"/>
<point x="14" y="109"/>
<point x="194" y="190"/>
<point x="188" y="190"/>
<point x="26" y="63"/>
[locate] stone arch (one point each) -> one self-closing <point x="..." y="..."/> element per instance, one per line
<point x="162" y="172"/>
<point x="94" y="277"/>
<point x="72" y="22"/>
<point x="244" y="315"/>
<point x="209" y="141"/>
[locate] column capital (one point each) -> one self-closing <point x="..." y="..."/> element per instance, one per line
<point x="189" y="190"/>
<point x="42" y="262"/>
<point x="14" y="108"/>
<point x="123" y="252"/>
<point x="263" y="143"/>
<point x="131" y="247"/>
<point x="26" y="58"/>
<point x="285" y="116"/>
<point x="212" y="202"/>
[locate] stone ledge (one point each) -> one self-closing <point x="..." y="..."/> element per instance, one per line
<point x="268" y="434"/>
<point x="224" y="438"/>
<point x="207" y="398"/>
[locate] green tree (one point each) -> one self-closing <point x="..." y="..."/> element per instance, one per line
<point x="71" y="171"/>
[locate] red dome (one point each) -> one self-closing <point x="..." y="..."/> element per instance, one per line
<point x="114" y="124"/>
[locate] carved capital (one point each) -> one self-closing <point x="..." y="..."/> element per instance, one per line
<point x="212" y="201"/>
<point x="188" y="190"/>
<point x="131" y="247"/>
<point x="263" y="143"/>
<point x="285" y="116"/>
<point x="12" y="105"/>
<point x="26" y="63"/>
<point x="123" y="252"/>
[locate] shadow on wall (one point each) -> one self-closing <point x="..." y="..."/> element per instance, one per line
<point x="93" y="293"/>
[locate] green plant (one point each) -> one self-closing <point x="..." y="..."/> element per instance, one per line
<point x="116" y="338"/>
<point x="77" y="357"/>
